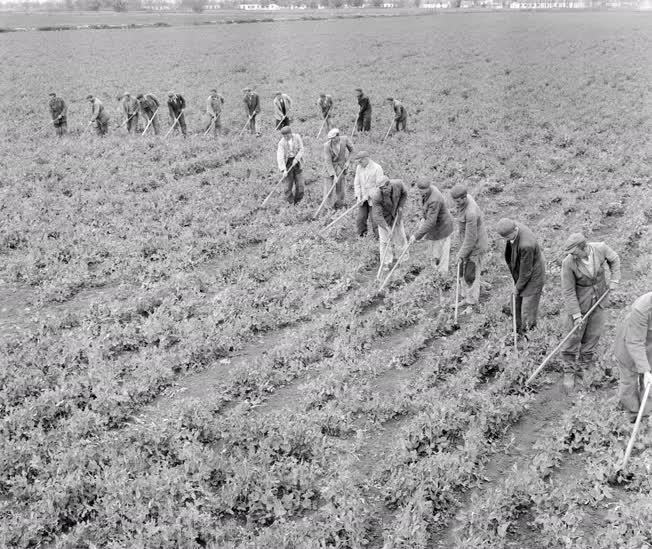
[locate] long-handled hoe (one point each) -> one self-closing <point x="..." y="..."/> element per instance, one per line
<point x="514" y="322"/>
<point x="173" y="125"/>
<point x="213" y="118"/>
<point x="407" y="246"/>
<point x="280" y="122"/>
<point x="339" y="217"/>
<point x="323" y="122"/>
<point x="285" y="174"/>
<point x="246" y="124"/>
<point x="355" y="124"/>
<point x="561" y="344"/>
<point x="149" y="122"/>
<point x="388" y="130"/>
<point x="457" y="295"/>
<point x="127" y="120"/>
<point x="386" y="249"/>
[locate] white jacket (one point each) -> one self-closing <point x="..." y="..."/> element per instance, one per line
<point x="288" y="149"/>
<point x="367" y="179"/>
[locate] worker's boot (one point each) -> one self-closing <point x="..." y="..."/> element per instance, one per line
<point x="586" y="372"/>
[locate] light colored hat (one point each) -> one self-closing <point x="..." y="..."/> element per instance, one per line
<point x="333" y="133"/>
<point x="383" y="180"/>
<point x="213" y="90"/>
<point x="362" y="154"/>
<point x="277" y="93"/>
<point x="247" y="89"/>
<point x="458" y="191"/>
<point x="170" y="93"/>
<point x="126" y="93"/>
<point x="573" y="241"/>
<point x="423" y="184"/>
<point x="286" y="130"/>
<point x="505" y="227"/>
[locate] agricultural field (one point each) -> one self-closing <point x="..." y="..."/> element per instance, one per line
<point x="182" y="368"/>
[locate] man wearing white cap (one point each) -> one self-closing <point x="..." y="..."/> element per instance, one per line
<point x="368" y="176"/>
<point x="289" y="154"/>
<point x="528" y="269"/>
<point x="252" y="108"/>
<point x="337" y="151"/>
<point x="583" y="282"/>
<point x="282" y="105"/>
<point x="130" y="107"/>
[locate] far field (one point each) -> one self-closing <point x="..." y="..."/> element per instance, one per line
<point x="179" y="369"/>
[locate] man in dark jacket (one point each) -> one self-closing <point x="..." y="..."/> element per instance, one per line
<point x="364" y="115"/>
<point x="633" y="350"/>
<point x="59" y="114"/>
<point x="149" y="107"/>
<point x="437" y="225"/>
<point x="583" y="282"/>
<point x="326" y="107"/>
<point x="527" y="265"/>
<point x="251" y="101"/>
<point x="176" y="106"/>
<point x="400" y="114"/>
<point x="387" y="202"/>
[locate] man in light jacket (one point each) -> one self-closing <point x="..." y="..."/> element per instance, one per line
<point x="583" y="282"/>
<point x="149" y="107"/>
<point x="474" y="244"/>
<point x="400" y="114"/>
<point x="130" y="108"/>
<point x="99" y="116"/>
<point x="282" y="105"/>
<point x="337" y="151"/>
<point x="437" y="225"/>
<point x="528" y="269"/>
<point x="633" y="350"/>
<point x="214" y="104"/>
<point x="288" y="157"/>
<point x="368" y="176"/>
<point x="387" y="203"/>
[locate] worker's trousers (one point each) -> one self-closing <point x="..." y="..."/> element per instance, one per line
<point x="364" y="122"/>
<point x="401" y="124"/>
<point x="181" y="124"/>
<point x="132" y="123"/>
<point x="294" y="183"/>
<point x="251" y="125"/>
<point x="527" y="309"/>
<point x="336" y="197"/>
<point x="362" y="217"/>
<point x="392" y="248"/>
<point x="631" y="390"/>
<point x="154" y="125"/>
<point x="583" y="341"/>
<point x="215" y="123"/>
<point x="102" y="126"/>
<point x="440" y="251"/>
<point x="471" y="292"/>
<point x="61" y="126"/>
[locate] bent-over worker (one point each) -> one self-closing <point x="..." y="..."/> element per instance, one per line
<point x="387" y="202"/>
<point x="337" y="151"/>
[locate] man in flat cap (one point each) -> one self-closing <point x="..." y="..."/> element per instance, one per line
<point x="364" y="115"/>
<point x="282" y="105"/>
<point x="98" y="116"/>
<point x="368" y="176"/>
<point x="288" y="157"/>
<point x="214" y="103"/>
<point x="527" y="266"/>
<point x="474" y="244"/>
<point x="176" y="106"/>
<point x="59" y="114"/>
<point x="400" y="114"/>
<point x="387" y="203"/>
<point x="437" y="225"/>
<point x="149" y="106"/>
<point x="583" y="282"/>
<point x="326" y="106"/>
<point x="633" y="351"/>
<point x="337" y="151"/>
<point x="130" y="108"/>
<point x="252" y="108"/>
